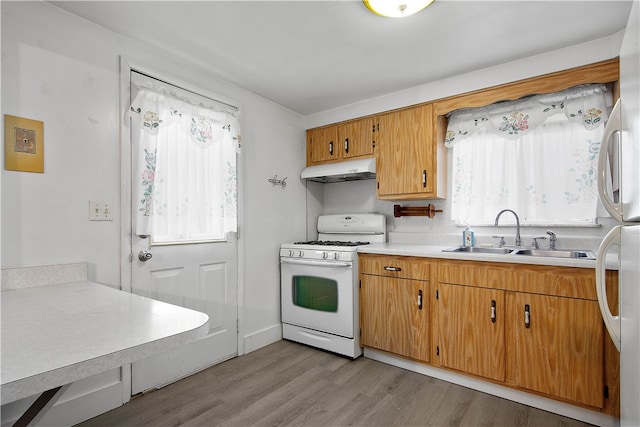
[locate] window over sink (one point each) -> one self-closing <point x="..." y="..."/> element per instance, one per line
<point x="537" y="155"/>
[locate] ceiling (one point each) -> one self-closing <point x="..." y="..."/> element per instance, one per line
<point x="312" y="56"/>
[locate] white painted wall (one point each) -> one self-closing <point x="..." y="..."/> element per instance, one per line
<point x="359" y="196"/>
<point x="64" y="71"/>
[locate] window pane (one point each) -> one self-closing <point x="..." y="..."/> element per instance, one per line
<point x="547" y="176"/>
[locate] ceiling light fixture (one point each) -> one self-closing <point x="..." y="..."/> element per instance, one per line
<point x="396" y="8"/>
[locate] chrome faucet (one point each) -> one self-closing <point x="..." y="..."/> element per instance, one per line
<point x="552" y="240"/>
<point x="518" y="240"/>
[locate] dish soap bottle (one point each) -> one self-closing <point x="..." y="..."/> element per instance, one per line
<point x="468" y="237"/>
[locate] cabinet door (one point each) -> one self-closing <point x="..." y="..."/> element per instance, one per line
<point x="322" y="145"/>
<point x="356" y="138"/>
<point x="471" y="330"/>
<point x="405" y="153"/>
<point x="556" y="346"/>
<point x="392" y="318"/>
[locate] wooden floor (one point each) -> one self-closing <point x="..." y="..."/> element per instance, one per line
<point x="288" y="384"/>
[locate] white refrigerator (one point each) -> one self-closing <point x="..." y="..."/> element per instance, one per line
<point x="623" y="131"/>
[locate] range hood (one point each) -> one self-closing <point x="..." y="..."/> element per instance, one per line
<point x="350" y="170"/>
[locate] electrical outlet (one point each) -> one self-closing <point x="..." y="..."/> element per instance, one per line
<point x="100" y="211"/>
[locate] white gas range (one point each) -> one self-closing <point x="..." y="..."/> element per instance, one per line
<point x="319" y="282"/>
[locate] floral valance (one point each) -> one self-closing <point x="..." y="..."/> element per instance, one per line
<point x="585" y="104"/>
<point x="155" y="109"/>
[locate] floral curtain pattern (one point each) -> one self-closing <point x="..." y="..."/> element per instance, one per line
<point x="537" y="156"/>
<point x="185" y="178"/>
<point x="584" y="104"/>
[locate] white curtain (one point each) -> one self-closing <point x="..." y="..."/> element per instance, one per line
<point x="537" y="156"/>
<point x="185" y="177"/>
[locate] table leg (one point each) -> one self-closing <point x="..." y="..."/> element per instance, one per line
<point x="38" y="408"/>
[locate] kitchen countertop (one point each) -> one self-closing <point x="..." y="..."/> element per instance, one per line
<point x="57" y="334"/>
<point x="429" y="251"/>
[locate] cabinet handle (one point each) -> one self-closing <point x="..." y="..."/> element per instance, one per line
<point x="346" y="145"/>
<point x="331" y="148"/>
<point x="527" y="316"/>
<point x="420" y="300"/>
<point x="493" y="311"/>
<point x="389" y="268"/>
<point x="424" y="178"/>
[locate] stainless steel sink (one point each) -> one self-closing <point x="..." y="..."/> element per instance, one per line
<point x="557" y="253"/>
<point x="479" y="250"/>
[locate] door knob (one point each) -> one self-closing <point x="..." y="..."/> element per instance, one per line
<point x="144" y="255"/>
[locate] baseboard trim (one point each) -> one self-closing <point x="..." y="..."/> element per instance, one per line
<point x="263" y="338"/>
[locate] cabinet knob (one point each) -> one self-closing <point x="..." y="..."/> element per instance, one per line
<point x="389" y="268"/>
<point x="527" y="316"/>
<point x="346" y="145"/>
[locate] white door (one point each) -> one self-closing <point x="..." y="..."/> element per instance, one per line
<point x="201" y="276"/>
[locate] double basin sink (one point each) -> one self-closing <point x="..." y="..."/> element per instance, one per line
<point x="550" y="253"/>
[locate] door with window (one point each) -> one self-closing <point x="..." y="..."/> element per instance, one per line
<point x="184" y="245"/>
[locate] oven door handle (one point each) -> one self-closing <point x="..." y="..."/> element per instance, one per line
<point x="316" y="263"/>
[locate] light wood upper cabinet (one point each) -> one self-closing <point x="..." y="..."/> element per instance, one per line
<point x="471" y="330"/>
<point x="407" y="155"/>
<point x="555" y="346"/>
<point x="394" y="310"/>
<point x="356" y="138"/>
<point x="322" y="145"/>
<point x="342" y="141"/>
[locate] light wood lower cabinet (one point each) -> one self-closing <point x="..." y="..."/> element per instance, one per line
<point x="555" y="346"/>
<point x="471" y="330"/>
<point x="394" y="314"/>
<point x="531" y="327"/>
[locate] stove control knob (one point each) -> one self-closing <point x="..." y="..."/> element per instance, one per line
<point x="300" y="254"/>
<point x="336" y="255"/>
<point x="325" y="255"/>
<point x="291" y="253"/>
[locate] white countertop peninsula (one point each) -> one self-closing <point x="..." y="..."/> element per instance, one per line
<point x="58" y="333"/>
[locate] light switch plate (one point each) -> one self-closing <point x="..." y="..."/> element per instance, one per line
<point x="100" y="211"/>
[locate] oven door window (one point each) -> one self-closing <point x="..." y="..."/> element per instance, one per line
<point x="315" y="293"/>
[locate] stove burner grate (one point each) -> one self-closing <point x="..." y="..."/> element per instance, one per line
<point x="331" y="243"/>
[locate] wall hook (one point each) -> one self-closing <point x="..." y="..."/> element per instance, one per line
<point x="276" y="181"/>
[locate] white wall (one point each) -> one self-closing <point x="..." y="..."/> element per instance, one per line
<point x="359" y="196"/>
<point x="64" y="71"/>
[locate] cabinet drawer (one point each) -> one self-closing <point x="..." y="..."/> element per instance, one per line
<point x="480" y="274"/>
<point x="395" y="266"/>
<point x="569" y="282"/>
